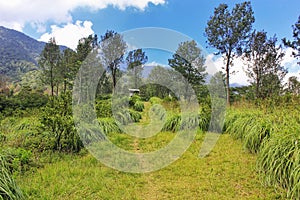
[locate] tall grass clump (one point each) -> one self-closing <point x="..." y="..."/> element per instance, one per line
<point x="177" y="122"/>
<point x="158" y="112"/>
<point x="204" y="117"/>
<point x="135" y="115"/>
<point x="108" y="125"/>
<point x="155" y="100"/>
<point x="250" y="126"/>
<point x="259" y="130"/>
<point x="127" y="116"/>
<point x="9" y="190"/>
<point x="172" y="123"/>
<point x="279" y="160"/>
<point x="139" y="106"/>
<point x="274" y="136"/>
<point x="239" y="125"/>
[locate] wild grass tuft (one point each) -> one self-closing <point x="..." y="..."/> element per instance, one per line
<point x="155" y="100"/>
<point x="173" y="123"/>
<point x="274" y="136"/>
<point x="108" y="125"/>
<point x="279" y="160"/>
<point x="8" y="187"/>
<point x="139" y="106"/>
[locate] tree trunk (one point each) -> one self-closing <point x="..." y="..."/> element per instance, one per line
<point x="227" y="78"/>
<point x="65" y="86"/>
<point x="114" y="79"/>
<point x="257" y="88"/>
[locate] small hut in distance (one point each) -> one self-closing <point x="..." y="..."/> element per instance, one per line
<point x="133" y="92"/>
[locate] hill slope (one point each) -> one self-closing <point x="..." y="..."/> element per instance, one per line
<point x="18" y="53"/>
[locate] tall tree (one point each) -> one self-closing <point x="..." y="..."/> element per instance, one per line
<point x="135" y="59"/>
<point x="264" y="58"/>
<point x="50" y="62"/>
<point x="161" y="77"/>
<point x="68" y="68"/>
<point x="293" y="85"/>
<point x="112" y="48"/>
<point x="84" y="66"/>
<point x="228" y="32"/>
<point x="85" y="46"/>
<point x="295" y="44"/>
<point x="189" y="61"/>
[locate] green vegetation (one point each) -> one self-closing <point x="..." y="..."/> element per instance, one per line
<point x="42" y="156"/>
<point x="229" y="173"/>
<point x="8" y="187"/>
<point x="274" y="137"/>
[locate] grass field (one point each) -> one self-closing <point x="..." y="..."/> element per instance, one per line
<point x="227" y="173"/>
<point x="257" y="157"/>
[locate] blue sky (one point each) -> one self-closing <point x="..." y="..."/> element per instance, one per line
<point x="71" y="19"/>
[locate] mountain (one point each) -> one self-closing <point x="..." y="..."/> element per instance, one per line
<point x="19" y="53"/>
<point x="236" y="85"/>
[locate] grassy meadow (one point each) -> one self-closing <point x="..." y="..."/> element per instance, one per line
<point x="256" y="157"/>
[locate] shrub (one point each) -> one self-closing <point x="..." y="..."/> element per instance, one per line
<point x="103" y="108"/>
<point x="57" y="119"/>
<point x="135" y="98"/>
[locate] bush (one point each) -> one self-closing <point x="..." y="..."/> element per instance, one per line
<point x="103" y="108"/>
<point x="135" y="98"/>
<point x="57" y="119"/>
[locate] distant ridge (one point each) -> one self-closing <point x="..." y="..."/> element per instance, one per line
<point x="19" y="53"/>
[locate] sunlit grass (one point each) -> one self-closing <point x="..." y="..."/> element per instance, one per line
<point x="227" y="173"/>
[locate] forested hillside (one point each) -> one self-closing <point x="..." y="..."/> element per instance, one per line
<point x="18" y="53"/>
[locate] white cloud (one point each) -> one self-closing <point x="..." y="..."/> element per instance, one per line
<point x="216" y="63"/>
<point x="289" y="61"/>
<point x="16" y="13"/>
<point x="69" y="34"/>
<point x="153" y="64"/>
<point x="297" y="74"/>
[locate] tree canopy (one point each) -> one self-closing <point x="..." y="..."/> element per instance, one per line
<point x="228" y="32"/>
